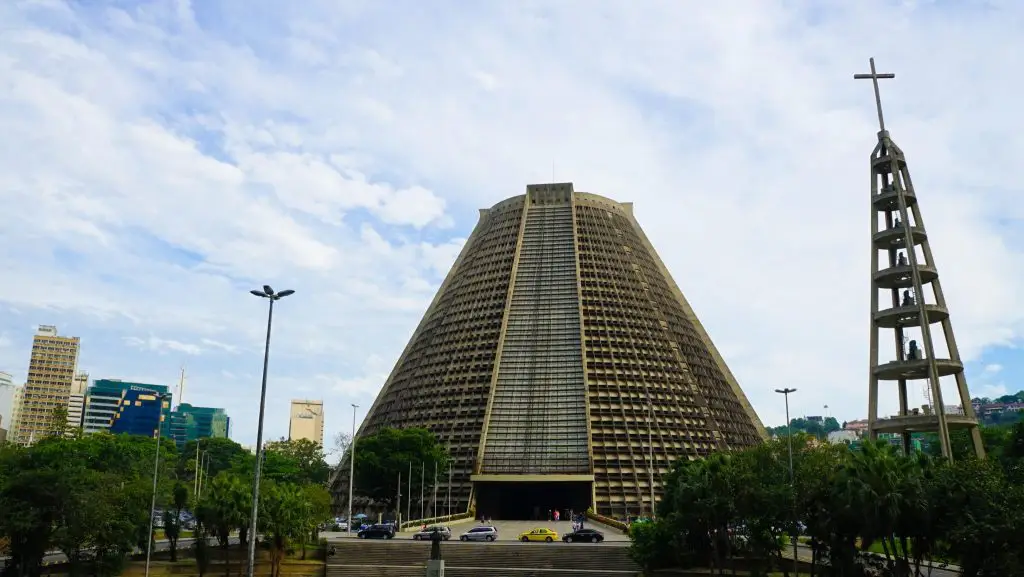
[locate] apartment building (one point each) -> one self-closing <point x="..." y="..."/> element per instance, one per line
<point x="51" y="372"/>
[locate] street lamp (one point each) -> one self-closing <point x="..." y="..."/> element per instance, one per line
<point x="792" y="476"/>
<point x="269" y="294"/>
<point x="351" y="465"/>
<point x="156" y="475"/>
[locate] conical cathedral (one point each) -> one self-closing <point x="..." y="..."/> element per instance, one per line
<point x="561" y="365"/>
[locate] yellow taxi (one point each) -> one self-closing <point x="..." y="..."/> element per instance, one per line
<point x="538" y="535"/>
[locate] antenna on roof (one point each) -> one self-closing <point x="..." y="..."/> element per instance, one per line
<point x="181" y="386"/>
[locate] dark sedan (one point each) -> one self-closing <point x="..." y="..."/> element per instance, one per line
<point x="377" y="532"/>
<point x="584" y="535"/>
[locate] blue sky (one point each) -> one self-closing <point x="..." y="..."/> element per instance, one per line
<point x="159" y="159"/>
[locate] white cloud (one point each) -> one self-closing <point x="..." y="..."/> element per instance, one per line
<point x="163" y="345"/>
<point x="993" y="369"/>
<point x="158" y="163"/>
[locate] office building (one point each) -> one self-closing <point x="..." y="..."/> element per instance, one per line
<point x="51" y="371"/>
<point x="188" y="423"/>
<point x="561" y="366"/>
<point x="6" y="397"/>
<point x="76" y="401"/>
<point x="307" y="421"/>
<point x="122" y="407"/>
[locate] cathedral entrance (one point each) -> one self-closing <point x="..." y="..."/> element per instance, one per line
<point x="530" y="500"/>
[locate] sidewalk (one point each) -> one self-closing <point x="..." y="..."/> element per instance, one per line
<point x="805" y="555"/>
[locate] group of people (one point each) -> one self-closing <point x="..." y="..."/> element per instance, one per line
<point x="553" y="515"/>
<point x="577" y="518"/>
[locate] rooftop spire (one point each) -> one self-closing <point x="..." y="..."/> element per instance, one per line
<point x="874" y="76"/>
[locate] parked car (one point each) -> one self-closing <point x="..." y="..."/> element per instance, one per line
<point x="428" y="533"/>
<point x="584" y="535"/>
<point x="486" y="533"/>
<point x="540" y="534"/>
<point x="377" y="532"/>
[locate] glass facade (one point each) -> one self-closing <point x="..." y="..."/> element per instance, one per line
<point x="122" y="407"/>
<point x="188" y="423"/>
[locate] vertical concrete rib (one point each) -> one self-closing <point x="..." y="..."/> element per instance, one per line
<point x="538" y="420"/>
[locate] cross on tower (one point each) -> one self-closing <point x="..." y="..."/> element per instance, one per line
<point x="874" y="76"/>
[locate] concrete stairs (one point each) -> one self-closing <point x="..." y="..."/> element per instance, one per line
<point x="401" y="558"/>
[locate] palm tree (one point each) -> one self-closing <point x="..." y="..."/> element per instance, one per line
<point x="225" y="506"/>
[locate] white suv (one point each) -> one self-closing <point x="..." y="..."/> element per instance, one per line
<point x="480" y="534"/>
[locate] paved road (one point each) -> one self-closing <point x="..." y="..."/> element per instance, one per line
<point x="510" y="530"/>
<point x="55" y="557"/>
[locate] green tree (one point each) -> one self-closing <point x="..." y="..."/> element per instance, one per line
<point x="764" y="499"/>
<point x="59" y="422"/>
<point x="74" y="495"/>
<point x="984" y="528"/>
<point x="215" y="454"/>
<point x="172" y="517"/>
<point x="225" y="506"/>
<point x="280" y="519"/>
<point x="316" y="509"/>
<point x="865" y="511"/>
<point x="831" y="425"/>
<point x="385" y="454"/>
<point x="307" y="456"/>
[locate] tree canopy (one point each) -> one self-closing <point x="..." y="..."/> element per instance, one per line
<point x="383" y="456"/>
<point x="90" y="497"/>
<point x="87" y="497"/>
<point x="858" y="510"/>
<point x="817" y="429"/>
<point x="307" y="456"/>
<point x="217" y="454"/>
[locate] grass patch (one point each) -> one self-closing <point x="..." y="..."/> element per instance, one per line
<point x="876" y="547"/>
<point x="160" y="536"/>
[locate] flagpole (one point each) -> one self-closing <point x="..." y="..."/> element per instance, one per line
<point x="433" y="500"/>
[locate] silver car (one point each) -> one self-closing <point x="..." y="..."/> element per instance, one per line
<point x="427" y="533"/>
<point x="480" y="534"/>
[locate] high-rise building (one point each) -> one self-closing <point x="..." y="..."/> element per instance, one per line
<point x="76" y="401"/>
<point x="16" y="398"/>
<point x="6" y="397"/>
<point x="561" y="366"/>
<point x="188" y="423"/>
<point x="307" y="421"/>
<point x="122" y="407"/>
<point x="51" y="371"/>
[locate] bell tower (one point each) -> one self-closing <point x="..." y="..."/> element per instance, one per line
<point x="907" y="302"/>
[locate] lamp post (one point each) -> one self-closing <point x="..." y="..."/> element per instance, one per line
<point x="195" y="483"/>
<point x="449" y="499"/>
<point x="351" y="465"/>
<point x="792" y="476"/>
<point x="269" y="294"/>
<point x="204" y="472"/>
<point x="156" y="476"/>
